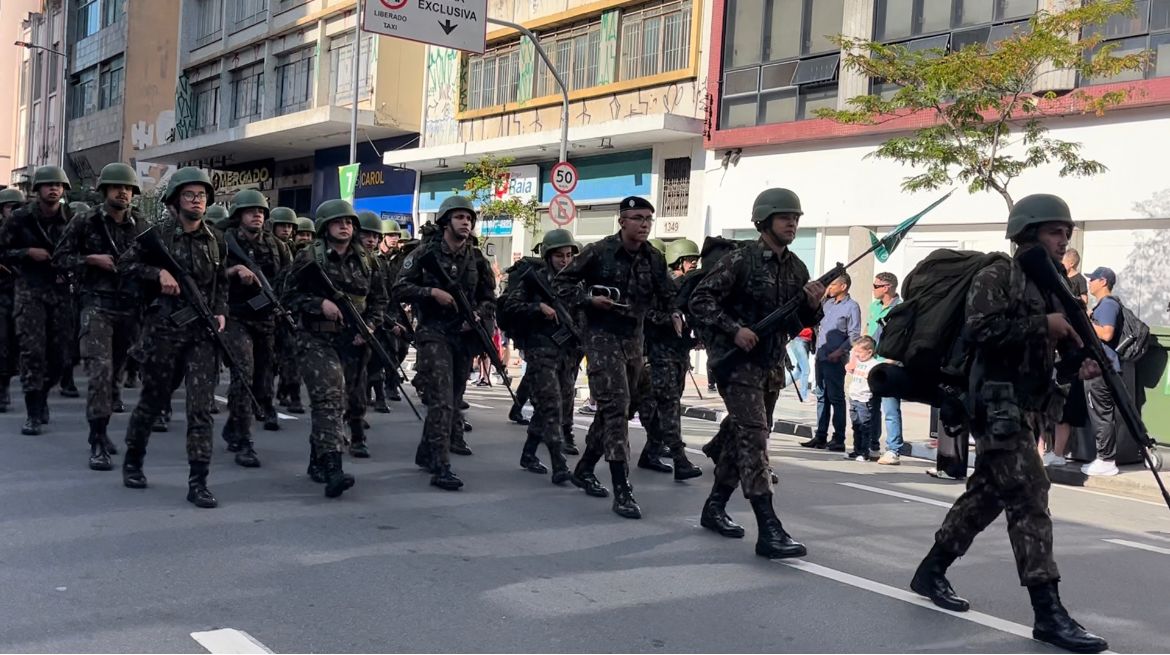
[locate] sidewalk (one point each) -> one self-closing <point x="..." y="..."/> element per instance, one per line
<point x="798" y="419"/>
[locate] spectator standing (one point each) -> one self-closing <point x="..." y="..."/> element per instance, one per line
<point x="839" y="327"/>
<point x="861" y="400"/>
<point x="1076" y="281"/>
<point x="798" y="351"/>
<point x="1075" y="409"/>
<point x="885" y="298"/>
<point x="1107" y="323"/>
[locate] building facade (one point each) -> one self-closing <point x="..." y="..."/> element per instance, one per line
<point x="264" y="95"/>
<point x="40" y="91"/>
<point x="12" y="16"/>
<point x="635" y="77"/>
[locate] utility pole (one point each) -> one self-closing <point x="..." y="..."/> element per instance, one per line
<point x="357" y="53"/>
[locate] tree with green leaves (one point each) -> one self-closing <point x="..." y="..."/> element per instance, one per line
<point x="490" y="175"/>
<point x="988" y="103"/>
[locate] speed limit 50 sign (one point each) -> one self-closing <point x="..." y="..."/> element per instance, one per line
<point x="564" y="177"/>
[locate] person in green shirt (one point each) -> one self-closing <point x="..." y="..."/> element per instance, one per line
<point x="885" y="297"/>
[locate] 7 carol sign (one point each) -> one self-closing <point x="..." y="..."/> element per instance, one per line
<point x="458" y="24"/>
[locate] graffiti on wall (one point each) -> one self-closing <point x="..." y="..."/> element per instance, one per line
<point x="442" y="97"/>
<point x="184" y="109"/>
<point x="607" y="58"/>
<point x="144" y="134"/>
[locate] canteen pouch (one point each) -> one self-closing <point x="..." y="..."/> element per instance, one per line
<point x="1003" y="416"/>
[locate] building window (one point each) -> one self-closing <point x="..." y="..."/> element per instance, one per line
<point x="1148" y="28"/>
<point x="112" y="10"/>
<point x="493" y="79"/>
<point x="779" y="62"/>
<point x="676" y="186"/>
<point x="294" y="81"/>
<point x="247" y="94"/>
<point x="655" y="39"/>
<point x="111" y="80"/>
<point x="900" y="19"/>
<point x="85" y="85"/>
<point x="89" y="17"/>
<point x="341" y="63"/>
<point x="208" y="21"/>
<point x="206" y="103"/>
<point x="285" y="5"/>
<point x="246" y="13"/>
<point x="38" y="74"/>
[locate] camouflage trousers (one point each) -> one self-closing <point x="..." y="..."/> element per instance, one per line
<point x="45" y="327"/>
<point x="659" y="407"/>
<point x="9" y="346"/>
<point x="614" y="366"/>
<point x="740" y="448"/>
<point x="378" y="372"/>
<point x="106" y="337"/>
<point x="286" y="365"/>
<point x="442" y="378"/>
<point x="550" y="376"/>
<point x="333" y="370"/>
<point x="253" y="345"/>
<point x="168" y="352"/>
<point x="1012" y="481"/>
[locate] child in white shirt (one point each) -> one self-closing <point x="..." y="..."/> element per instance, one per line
<point x="860" y="398"/>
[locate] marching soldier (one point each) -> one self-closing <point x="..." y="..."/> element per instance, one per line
<point x="173" y="338"/>
<point x="251" y="324"/>
<point x="443" y="338"/>
<point x="10" y="200"/>
<point x="332" y="356"/>
<point x="371" y="235"/>
<point x="285" y="226"/>
<point x="740" y="289"/>
<point x="552" y="363"/>
<point x="617" y="281"/>
<point x="305" y="233"/>
<point x="91" y="246"/>
<point x="44" y="306"/>
<point x="393" y="330"/>
<point x="1013" y="327"/>
<point x="284" y="223"/>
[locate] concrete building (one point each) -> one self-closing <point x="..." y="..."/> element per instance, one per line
<point x="12" y="14"/>
<point x="773" y="69"/>
<point x="37" y="132"/>
<point x="263" y="97"/>
<point x="638" y="105"/>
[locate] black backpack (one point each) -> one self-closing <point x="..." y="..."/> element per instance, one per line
<point x="509" y="324"/>
<point x="1134" y="339"/>
<point x="714" y="249"/>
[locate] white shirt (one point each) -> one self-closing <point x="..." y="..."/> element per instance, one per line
<point x="858" y="382"/>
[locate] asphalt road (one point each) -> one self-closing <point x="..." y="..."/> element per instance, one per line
<point x="513" y="563"/>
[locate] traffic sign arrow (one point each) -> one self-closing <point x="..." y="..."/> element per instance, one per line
<point x="448" y="27"/>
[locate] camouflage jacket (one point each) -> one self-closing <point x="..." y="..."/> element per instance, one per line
<point x="391" y="264"/>
<point x="352" y="273"/>
<point x="271" y="255"/>
<point x="95" y="233"/>
<point x="641" y="277"/>
<point x="200" y="252"/>
<point x="30" y="228"/>
<point x="744" y="287"/>
<point x="521" y="300"/>
<point x="662" y="343"/>
<point x="467" y="267"/>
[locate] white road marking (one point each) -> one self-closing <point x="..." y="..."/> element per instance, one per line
<point x="280" y="415"/>
<point x="898" y="494"/>
<point x="229" y="641"/>
<point x="1106" y="495"/>
<point x="478" y="406"/>
<point x="1139" y="546"/>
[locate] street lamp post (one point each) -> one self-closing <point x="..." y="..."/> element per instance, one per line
<point x="32" y="46"/>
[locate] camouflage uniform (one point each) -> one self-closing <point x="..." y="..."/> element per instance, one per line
<point x="172" y="343"/>
<point x="396" y="345"/>
<point x="9" y="348"/>
<point x="741" y="289"/>
<point x="287" y="368"/>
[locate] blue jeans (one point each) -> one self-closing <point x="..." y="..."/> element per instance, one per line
<point x="892" y="409"/>
<point x="831" y="400"/>
<point x="862" y="416"/>
<point x="798" y="353"/>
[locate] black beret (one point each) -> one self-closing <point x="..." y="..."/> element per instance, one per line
<point x="635" y="202"/>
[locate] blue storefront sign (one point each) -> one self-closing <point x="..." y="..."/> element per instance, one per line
<point x="385" y="190"/>
<point x="495" y="227"/>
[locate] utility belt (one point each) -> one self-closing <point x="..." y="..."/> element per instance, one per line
<point x="325" y="327"/>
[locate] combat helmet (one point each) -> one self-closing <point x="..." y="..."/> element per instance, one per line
<point x="248" y="199"/>
<point x="184" y="176"/>
<point x="680" y="248"/>
<point x="11" y="196"/>
<point x="775" y="201"/>
<point x="554" y="239"/>
<point x="331" y="210"/>
<point x="217" y="215"/>
<point x="283" y="215"/>
<point x="1034" y="210"/>
<point x="451" y="204"/>
<point x="658" y="245"/>
<point x="119" y="173"/>
<point x="391" y="227"/>
<point x="305" y="224"/>
<point x="50" y="175"/>
<point x="368" y="221"/>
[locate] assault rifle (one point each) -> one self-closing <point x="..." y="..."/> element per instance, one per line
<point x="568" y="329"/>
<point x="267" y="297"/>
<point x="1038" y="266"/>
<point x="463" y="305"/>
<point x="354" y="317"/>
<point x="153" y="247"/>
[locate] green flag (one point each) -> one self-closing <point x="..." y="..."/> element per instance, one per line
<point x="885" y="246"/>
<point x="347" y="177"/>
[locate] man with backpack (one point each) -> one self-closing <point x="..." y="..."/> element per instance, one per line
<point x="1012" y="331"/>
<point x="1107" y="321"/>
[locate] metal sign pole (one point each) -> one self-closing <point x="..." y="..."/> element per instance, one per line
<point x="556" y="75"/>
<point x="357" y="53"/>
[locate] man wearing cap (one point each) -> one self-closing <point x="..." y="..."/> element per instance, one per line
<point x="44" y="306"/>
<point x="618" y="282"/>
<point x="1106" y="318"/>
<point x="91" y="246"/>
<point x="10" y="201"/>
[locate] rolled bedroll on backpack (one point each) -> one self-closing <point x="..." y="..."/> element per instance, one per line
<point x="893" y="381"/>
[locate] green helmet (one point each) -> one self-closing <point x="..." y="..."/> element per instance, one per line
<point x="49" y="175"/>
<point x="368" y="221"/>
<point x="283" y="215"/>
<point x="452" y="203"/>
<point x="554" y="239"/>
<point x="79" y="207"/>
<point x="659" y="245"/>
<point x="248" y="199"/>
<point x="217" y="215"/>
<point x="1034" y="210"/>
<point x="9" y="196"/>
<point x="391" y="227"/>
<point x="184" y="176"/>
<point x="305" y="224"/>
<point x="333" y="209"/>
<point x="680" y="248"/>
<point x="119" y="173"/>
<point x="775" y="201"/>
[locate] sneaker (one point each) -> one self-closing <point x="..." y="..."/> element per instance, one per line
<point x="1101" y="467"/>
<point x="861" y="458"/>
<point x="587" y="410"/>
<point x="1052" y="459"/>
<point x="890" y="458"/>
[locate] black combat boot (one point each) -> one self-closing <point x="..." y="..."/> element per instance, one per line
<point x="271" y="422"/>
<point x="459" y="445"/>
<point x="392" y="392"/>
<point x="683" y="468"/>
<point x="5" y="397"/>
<point x="246" y="455"/>
<point x="1054" y="626"/>
<point x="773" y="541"/>
<point x="110" y="447"/>
<point x="131" y="380"/>
<point x="197" y="492"/>
<point x="132" y="475"/>
<point x="422" y="456"/>
<point x="466" y="425"/>
<point x="43" y="406"/>
<point x="68" y="386"/>
<point x="528" y="459"/>
<point x="516" y="415"/>
<point x="624" y="504"/>
<point x="294" y="405"/>
<point x="930" y="580"/>
<point x="584" y="477"/>
<point x="714" y="516"/>
<point x="443" y="477"/>
<point x="117" y="406"/>
<point x="560" y="465"/>
<point x="336" y="480"/>
<point x="379" y="405"/>
<point x="99" y="454"/>
<point x="162" y="422"/>
<point x="314" y="471"/>
<point x="649" y="459"/>
<point x="32" y="405"/>
<point x="357" y="440"/>
<point x="570" y="447"/>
